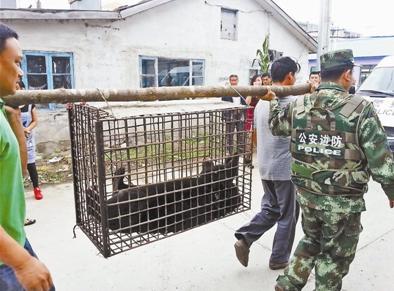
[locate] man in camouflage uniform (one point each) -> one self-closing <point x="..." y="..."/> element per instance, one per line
<point x="337" y="142"/>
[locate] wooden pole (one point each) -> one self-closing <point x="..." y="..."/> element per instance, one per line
<point x="147" y="94"/>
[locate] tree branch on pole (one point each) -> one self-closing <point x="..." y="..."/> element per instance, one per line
<point x="147" y="94"/>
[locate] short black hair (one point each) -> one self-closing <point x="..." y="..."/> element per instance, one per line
<point x="233" y="76"/>
<point x="6" y="33"/>
<point x="335" y="74"/>
<point x="314" y="73"/>
<point x="281" y="67"/>
<point x="263" y="75"/>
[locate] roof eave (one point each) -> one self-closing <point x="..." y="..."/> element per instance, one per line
<point x="290" y="23"/>
<point x="50" y="14"/>
<point x="135" y="9"/>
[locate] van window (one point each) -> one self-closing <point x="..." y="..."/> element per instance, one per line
<point x="380" y="80"/>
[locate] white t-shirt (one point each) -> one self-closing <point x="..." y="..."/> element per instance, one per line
<point x="273" y="152"/>
<point x="237" y="100"/>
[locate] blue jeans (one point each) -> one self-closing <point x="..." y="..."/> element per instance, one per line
<point x="8" y="280"/>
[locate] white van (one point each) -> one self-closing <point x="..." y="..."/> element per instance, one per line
<point x="380" y="87"/>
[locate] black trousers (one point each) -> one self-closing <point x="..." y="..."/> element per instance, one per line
<point x="235" y="127"/>
<point x="31" y="168"/>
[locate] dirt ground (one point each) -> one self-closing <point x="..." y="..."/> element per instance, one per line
<point x="54" y="157"/>
<point x="54" y="167"/>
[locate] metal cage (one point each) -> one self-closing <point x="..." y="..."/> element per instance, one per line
<point x="144" y="178"/>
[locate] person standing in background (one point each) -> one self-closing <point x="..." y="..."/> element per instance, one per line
<point x="314" y="77"/>
<point x="266" y="79"/>
<point x="234" y="120"/>
<point x="252" y="102"/>
<point x="29" y="121"/>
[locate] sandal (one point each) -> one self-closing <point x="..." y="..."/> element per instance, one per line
<point x="29" y="221"/>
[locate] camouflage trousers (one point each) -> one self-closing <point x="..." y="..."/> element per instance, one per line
<point x="329" y="246"/>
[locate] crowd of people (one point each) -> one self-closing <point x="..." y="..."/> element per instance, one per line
<point x="315" y="153"/>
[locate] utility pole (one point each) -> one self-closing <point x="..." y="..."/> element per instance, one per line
<point x="324" y="28"/>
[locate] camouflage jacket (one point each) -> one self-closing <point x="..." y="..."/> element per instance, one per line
<point x="377" y="161"/>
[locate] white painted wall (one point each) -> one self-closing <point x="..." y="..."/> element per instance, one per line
<point x="106" y="54"/>
<point x="97" y="62"/>
<point x="8" y="4"/>
<point x="86" y="4"/>
<point x="191" y="29"/>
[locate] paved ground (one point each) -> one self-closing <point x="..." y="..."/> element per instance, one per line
<point x="200" y="259"/>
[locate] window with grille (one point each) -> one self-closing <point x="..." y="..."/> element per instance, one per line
<point x="48" y="70"/>
<point x="45" y="70"/>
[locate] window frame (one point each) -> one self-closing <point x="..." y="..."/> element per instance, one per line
<point x="191" y="71"/>
<point x="48" y="64"/>
<point x="235" y="12"/>
<point x="156" y="66"/>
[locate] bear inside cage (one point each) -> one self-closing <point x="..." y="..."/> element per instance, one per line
<point x="143" y="178"/>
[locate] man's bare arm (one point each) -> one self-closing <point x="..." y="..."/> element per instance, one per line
<point x="14" y="119"/>
<point x="31" y="273"/>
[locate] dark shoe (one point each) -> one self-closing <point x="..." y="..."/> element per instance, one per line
<point x="29" y="221"/>
<point x="278" y="266"/>
<point x="242" y="252"/>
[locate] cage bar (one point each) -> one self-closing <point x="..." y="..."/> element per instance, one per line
<point x="144" y="178"/>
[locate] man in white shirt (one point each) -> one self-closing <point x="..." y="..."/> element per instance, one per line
<point x="278" y="205"/>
